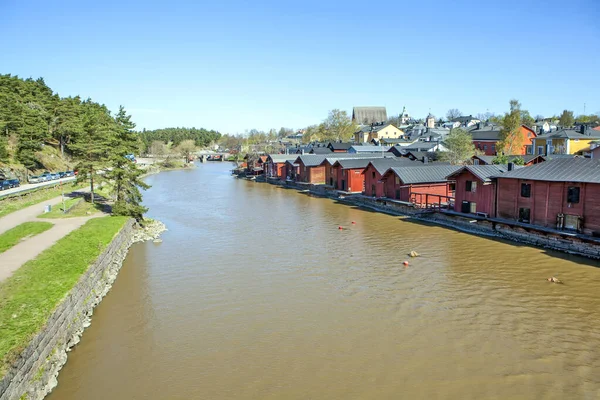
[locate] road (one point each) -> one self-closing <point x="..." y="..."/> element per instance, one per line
<point x="29" y="186"/>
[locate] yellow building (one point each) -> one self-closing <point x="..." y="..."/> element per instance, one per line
<point x="383" y="131"/>
<point x="565" y="141"/>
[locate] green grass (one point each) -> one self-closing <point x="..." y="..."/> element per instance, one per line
<point x="13" y="236"/>
<point x="12" y="204"/>
<point x="30" y="296"/>
<point x="58" y="212"/>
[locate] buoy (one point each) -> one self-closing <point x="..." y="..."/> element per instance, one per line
<point x="340" y="228"/>
<point x="353" y="223"/>
<point x="405" y="263"/>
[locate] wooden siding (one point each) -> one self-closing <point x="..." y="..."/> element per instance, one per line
<point x="547" y="200"/>
<point x="484" y="195"/>
<point x="372" y="180"/>
<point x="396" y="189"/>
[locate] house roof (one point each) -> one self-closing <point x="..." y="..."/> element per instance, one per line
<point x="560" y="170"/>
<point x="320" y="150"/>
<point x="526" y="158"/>
<point x="463" y="119"/>
<point x="313" y="160"/>
<point x="486" y="133"/>
<point x="369" y="149"/>
<point x="349" y="163"/>
<point x="421" y="146"/>
<point x="571" y="134"/>
<point x="423" y="174"/>
<point x="339" y="146"/>
<point x="277" y="158"/>
<point x="383" y="164"/>
<point x="483" y="172"/>
<point x="369" y="115"/>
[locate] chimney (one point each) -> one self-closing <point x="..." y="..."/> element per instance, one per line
<point x="302" y="151"/>
<point x="479" y="125"/>
<point x="511" y="166"/>
<point x="425" y="159"/>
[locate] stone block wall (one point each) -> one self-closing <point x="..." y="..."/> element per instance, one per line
<point x="34" y="373"/>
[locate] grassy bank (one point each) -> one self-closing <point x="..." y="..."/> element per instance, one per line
<point x="30" y="296"/>
<point x="13" y="236"/>
<point x="12" y="204"/>
<point x="76" y="207"/>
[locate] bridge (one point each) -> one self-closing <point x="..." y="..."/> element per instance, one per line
<point x="211" y="156"/>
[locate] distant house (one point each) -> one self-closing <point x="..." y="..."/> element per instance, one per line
<point x="419" y="185"/>
<point x="527" y="159"/>
<point x="486" y="138"/>
<point x="396" y="142"/>
<point x="595" y="151"/>
<point x="368" y="133"/>
<point x="465" y="120"/>
<point x="425" y="146"/>
<point x="376" y="168"/>
<point x="562" y="193"/>
<point x="566" y="141"/>
<point x="339" y="147"/>
<point x="320" y="150"/>
<point x="475" y="190"/>
<point x="369" y="115"/>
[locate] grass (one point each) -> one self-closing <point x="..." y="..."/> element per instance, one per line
<point x="28" y="298"/>
<point x="13" y="204"/>
<point x="58" y="212"/>
<point x="13" y="236"/>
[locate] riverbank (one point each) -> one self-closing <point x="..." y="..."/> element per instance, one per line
<point x="42" y="318"/>
<point x="562" y="241"/>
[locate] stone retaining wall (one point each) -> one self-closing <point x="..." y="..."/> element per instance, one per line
<point x="35" y="372"/>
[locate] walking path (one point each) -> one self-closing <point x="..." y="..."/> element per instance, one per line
<point x="12" y="259"/>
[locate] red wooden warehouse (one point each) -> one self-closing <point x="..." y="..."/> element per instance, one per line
<point x="376" y="168"/>
<point x="475" y="190"/>
<point x="562" y="193"/>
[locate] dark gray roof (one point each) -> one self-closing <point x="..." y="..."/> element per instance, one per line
<point x="340" y="146"/>
<point x="369" y="149"/>
<point x="421" y="146"/>
<point x="312" y="160"/>
<point x="354" y="162"/>
<point x="369" y="115"/>
<point x="277" y="158"/>
<point x="571" y="134"/>
<point x="486" y="133"/>
<point x="383" y="164"/>
<point x="463" y="118"/>
<point x="490" y="159"/>
<point x="560" y="170"/>
<point x="483" y="172"/>
<point x="423" y="174"/>
<point x="320" y="150"/>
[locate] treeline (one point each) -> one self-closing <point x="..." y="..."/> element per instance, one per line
<point x="33" y="116"/>
<point x="175" y="136"/>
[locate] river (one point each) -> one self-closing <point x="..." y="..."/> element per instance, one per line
<point x="256" y="294"/>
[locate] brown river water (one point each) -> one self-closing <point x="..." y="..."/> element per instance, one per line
<point x="256" y="294"/>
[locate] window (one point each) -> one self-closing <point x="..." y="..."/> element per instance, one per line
<point x="540" y="150"/>
<point x="473" y="208"/>
<point x="397" y="181"/>
<point x="471" y="186"/>
<point x="525" y="190"/>
<point x="524" y="215"/>
<point x="373" y="175"/>
<point x="485" y="147"/>
<point x="476" y="161"/>
<point x="573" y="194"/>
<point x="529" y="149"/>
<point x="493" y="147"/>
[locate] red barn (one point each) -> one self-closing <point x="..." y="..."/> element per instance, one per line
<point x="275" y="166"/>
<point x="349" y="174"/>
<point x="339" y="147"/>
<point x="376" y="168"/>
<point x="415" y="184"/>
<point x="562" y="193"/>
<point x="475" y="191"/>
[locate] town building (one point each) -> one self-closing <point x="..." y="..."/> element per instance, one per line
<point x="566" y="141"/>
<point x="486" y="139"/>
<point x="423" y="185"/>
<point x="376" y="168"/>
<point x="369" y="133"/>
<point x="562" y="193"/>
<point x="369" y="115"/>
<point x="525" y="160"/>
<point x="475" y="190"/>
<point x="275" y="165"/>
<point x="338" y="147"/>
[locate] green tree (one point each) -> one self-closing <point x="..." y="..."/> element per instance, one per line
<point x="3" y="149"/>
<point x="186" y="149"/>
<point x="511" y="138"/>
<point x="125" y="174"/>
<point x="93" y="147"/>
<point x="566" y="119"/>
<point x="339" y="126"/>
<point x="460" y="148"/>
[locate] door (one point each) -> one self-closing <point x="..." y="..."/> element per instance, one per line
<point x="571" y="222"/>
<point x="373" y="191"/>
<point x="465" y="207"/>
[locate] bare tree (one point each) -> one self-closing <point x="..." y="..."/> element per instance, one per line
<point x="453" y="113"/>
<point x="158" y="148"/>
<point x="486" y="116"/>
<point x="186" y="149"/>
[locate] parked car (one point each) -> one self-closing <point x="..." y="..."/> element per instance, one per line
<point x="62" y="175"/>
<point x="14" y="183"/>
<point x="46" y="176"/>
<point x="69" y="173"/>
<point x="54" y="176"/>
<point x="4" y="185"/>
<point x="35" y="179"/>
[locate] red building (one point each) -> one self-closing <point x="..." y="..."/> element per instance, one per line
<point x="348" y="174"/>
<point x="475" y="191"/>
<point x="311" y="168"/>
<point x="562" y="193"/>
<point x="275" y="166"/>
<point x="376" y="168"/>
<point x="420" y="185"/>
<point x="339" y="147"/>
<point x="486" y="138"/>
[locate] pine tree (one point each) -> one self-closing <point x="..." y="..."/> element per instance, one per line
<point x="94" y="145"/>
<point x="125" y="174"/>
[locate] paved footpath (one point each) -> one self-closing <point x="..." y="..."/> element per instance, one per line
<point x="13" y="258"/>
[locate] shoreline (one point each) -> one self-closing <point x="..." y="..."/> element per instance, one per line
<point x="563" y="242"/>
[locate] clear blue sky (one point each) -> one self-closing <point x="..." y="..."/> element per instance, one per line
<point x="235" y="65"/>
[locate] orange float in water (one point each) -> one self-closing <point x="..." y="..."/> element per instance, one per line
<point x="340" y="228"/>
<point x="353" y="223"/>
<point x="405" y="263"/>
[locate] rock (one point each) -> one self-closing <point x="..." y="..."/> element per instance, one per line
<point x="157" y="241"/>
<point x="414" y="254"/>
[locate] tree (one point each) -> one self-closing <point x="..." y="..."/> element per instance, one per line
<point x="186" y="149"/>
<point x="511" y="138"/>
<point x="3" y="149"/>
<point x="460" y="148"/>
<point x="158" y="148"/>
<point x="566" y="119"/>
<point x="339" y="126"/>
<point x="125" y="174"/>
<point x="527" y="119"/>
<point x="94" y="145"/>
<point x="485" y="117"/>
<point x="453" y="113"/>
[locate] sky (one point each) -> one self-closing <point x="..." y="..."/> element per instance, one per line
<point x="234" y="65"/>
